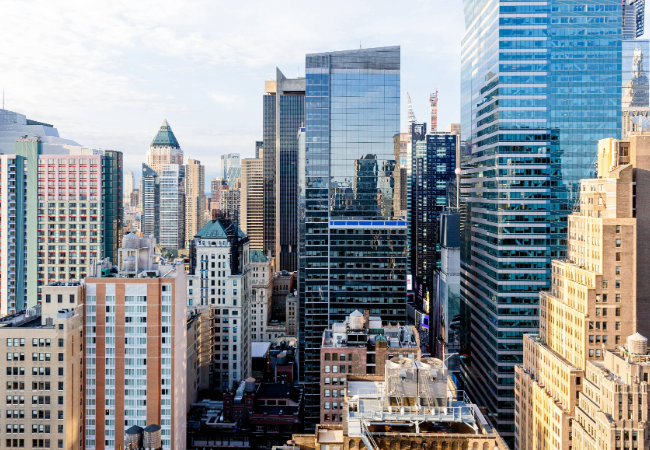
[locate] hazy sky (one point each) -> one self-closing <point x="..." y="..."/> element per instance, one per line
<point x="106" y="74"/>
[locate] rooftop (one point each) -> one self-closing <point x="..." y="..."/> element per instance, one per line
<point x="165" y="137"/>
<point x="218" y="229"/>
<point x="258" y="256"/>
<point x="260" y="349"/>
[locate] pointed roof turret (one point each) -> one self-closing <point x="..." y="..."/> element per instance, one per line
<point x="165" y="137"/>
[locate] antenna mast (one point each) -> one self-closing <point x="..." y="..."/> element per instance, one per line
<point x="411" y="114"/>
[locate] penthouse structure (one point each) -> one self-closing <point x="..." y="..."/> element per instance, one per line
<point x="358" y="346"/>
<point x="414" y="406"/>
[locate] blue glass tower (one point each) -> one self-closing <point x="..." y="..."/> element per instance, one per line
<point x="351" y="245"/>
<point x="540" y="86"/>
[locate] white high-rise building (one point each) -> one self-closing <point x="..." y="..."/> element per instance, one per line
<point x="221" y="262"/>
<point x="172" y="207"/>
<point x="231" y="168"/>
<point x="129" y="184"/>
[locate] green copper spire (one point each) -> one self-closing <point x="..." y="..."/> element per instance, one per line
<point x="165" y="137"/>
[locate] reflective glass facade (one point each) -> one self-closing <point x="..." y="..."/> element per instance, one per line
<point x="112" y="173"/>
<point x="541" y="84"/>
<point x="172" y="207"/>
<point x="150" y="198"/>
<point x="433" y="165"/>
<point x="352" y="247"/>
<point x="284" y="114"/>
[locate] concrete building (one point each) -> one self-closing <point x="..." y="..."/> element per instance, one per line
<point x="291" y="315"/>
<point x="198" y="352"/>
<point x="262" y="268"/>
<point x="252" y="201"/>
<point x="613" y="406"/>
<point x="43" y="407"/>
<point x="359" y="346"/>
<point x="228" y="204"/>
<point x="164" y="149"/>
<point x="194" y="198"/>
<point x="453" y="128"/>
<point x="220" y="258"/>
<point x="215" y="187"/>
<point x="284" y="283"/>
<point x="413" y="407"/>
<point x="68" y="208"/>
<point x="446" y="298"/>
<point x="129" y="185"/>
<point x="136" y="347"/>
<point x="599" y="296"/>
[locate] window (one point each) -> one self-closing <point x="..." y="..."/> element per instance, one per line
<point x="59" y="298"/>
<point x="618" y="298"/>
<point x="604" y="284"/>
<point x="618" y="270"/>
<point x="327" y="392"/>
<point x="618" y="243"/>
<point x="71" y="298"/>
<point x="48" y="298"/>
<point x="618" y="284"/>
<point x="618" y="311"/>
<point x="618" y="229"/>
<point x="61" y="342"/>
<point x="618" y="257"/>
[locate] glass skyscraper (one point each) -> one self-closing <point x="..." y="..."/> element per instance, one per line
<point x="284" y="114"/>
<point x="172" y="207"/>
<point x="112" y="172"/>
<point x="433" y="162"/>
<point x="541" y="84"/>
<point x="352" y="246"/>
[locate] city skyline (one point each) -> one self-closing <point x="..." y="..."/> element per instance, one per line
<point x="203" y="89"/>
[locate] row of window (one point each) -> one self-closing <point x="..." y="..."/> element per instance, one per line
<point x="36" y="400"/>
<point x="20" y="342"/>
<point x="36" y="385"/>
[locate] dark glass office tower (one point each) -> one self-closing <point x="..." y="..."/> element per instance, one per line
<point x="284" y="114"/>
<point x="433" y="166"/>
<point x="540" y="85"/>
<point x="112" y="176"/>
<point x="352" y="247"/>
<point x="150" y="199"/>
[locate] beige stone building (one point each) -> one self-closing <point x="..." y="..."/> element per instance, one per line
<point x="42" y="349"/>
<point x="198" y="352"/>
<point x="195" y="217"/>
<point x="597" y="299"/>
<point x="262" y="268"/>
<point x="252" y="201"/>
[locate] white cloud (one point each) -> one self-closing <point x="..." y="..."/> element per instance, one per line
<point x="107" y="72"/>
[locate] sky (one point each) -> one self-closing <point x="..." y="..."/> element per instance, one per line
<point x="106" y="74"/>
